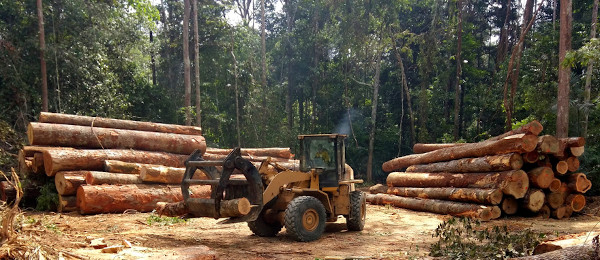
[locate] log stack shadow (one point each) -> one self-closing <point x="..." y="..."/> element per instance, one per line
<point x="518" y="172"/>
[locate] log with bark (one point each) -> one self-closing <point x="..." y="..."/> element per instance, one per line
<point x="378" y="188"/>
<point x="510" y="205"/>
<point x="198" y="207"/>
<point x="513" y="183"/>
<point x="435" y="206"/>
<point x="219" y="157"/>
<point x="285" y="153"/>
<point x="67" y="182"/>
<point x="108" y="138"/>
<point x="589" y="250"/>
<point x="493" y="163"/>
<point x="541" y="177"/>
<point x="575" y="201"/>
<point x="521" y="143"/>
<point x="547" y="144"/>
<point x="572" y="163"/>
<point x="533" y="200"/>
<point x="573" y="141"/>
<point x="25" y="163"/>
<point x="65" y="160"/>
<point x="555" y="185"/>
<point x="472" y="195"/>
<point x="67" y="119"/>
<point x="544" y="212"/>
<point x="151" y="172"/>
<point x="531" y="157"/>
<point x="564" y="241"/>
<point x="99" y="178"/>
<point x="425" y="148"/>
<point x="578" y="182"/>
<point x="559" y="213"/>
<point x="533" y="127"/>
<point x="577" y="150"/>
<point x="561" y="167"/>
<point x="67" y="203"/>
<point x="94" y="199"/>
<point x="554" y="200"/>
<point x="38" y="163"/>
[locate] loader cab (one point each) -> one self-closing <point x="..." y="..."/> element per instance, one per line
<point x="325" y="153"/>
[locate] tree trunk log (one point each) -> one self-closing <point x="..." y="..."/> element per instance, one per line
<point x="573" y="163"/>
<point x="151" y="172"/>
<point x="547" y="144"/>
<point x="378" y="188"/>
<point x="545" y="212"/>
<point x="573" y="141"/>
<point x="577" y="150"/>
<point x="533" y="200"/>
<point x="200" y="207"/>
<point x="513" y="183"/>
<point x="541" y="177"/>
<point x="67" y="182"/>
<point x="578" y="182"/>
<point x="38" y="163"/>
<point x="285" y="153"/>
<point x="94" y="199"/>
<point x="99" y="178"/>
<point x="220" y="157"/>
<point x="118" y="124"/>
<point x="534" y="128"/>
<point x="531" y="157"/>
<point x="587" y="251"/>
<point x="425" y="148"/>
<point x="559" y="212"/>
<point x="64" y="160"/>
<point x="67" y="203"/>
<point x="561" y="167"/>
<point x="106" y="138"/>
<point x="510" y="205"/>
<point x="555" y="185"/>
<point x="25" y="163"/>
<point x="564" y="242"/>
<point x="516" y="143"/>
<point x="554" y="200"/>
<point x="493" y="163"/>
<point x="472" y="195"/>
<point x="576" y="202"/>
<point x="435" y="206"/>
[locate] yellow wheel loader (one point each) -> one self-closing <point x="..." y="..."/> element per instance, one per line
<point x="301" y="201"/>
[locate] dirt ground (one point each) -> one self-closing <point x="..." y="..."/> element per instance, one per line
<point x="390" y="233"/>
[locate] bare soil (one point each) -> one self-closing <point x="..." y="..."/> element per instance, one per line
<point x="390" y="233"/>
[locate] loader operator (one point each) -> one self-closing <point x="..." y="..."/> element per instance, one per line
<point x="323" y="154"/>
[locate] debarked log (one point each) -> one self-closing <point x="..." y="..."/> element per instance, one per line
<point x="493" y="163"/>
<point x="472" y="195"/>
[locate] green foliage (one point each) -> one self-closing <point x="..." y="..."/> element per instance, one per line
<point x="163" y="221"/>
<point x="48" y="200"/>
<point x="464" y="238"/>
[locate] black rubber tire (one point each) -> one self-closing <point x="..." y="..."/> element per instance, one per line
<point x="297" y="210"/>
<point x="355" y="221"/>
<point x="263" y="229"/>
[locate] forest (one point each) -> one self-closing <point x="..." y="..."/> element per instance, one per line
<point x="388" y="74"/>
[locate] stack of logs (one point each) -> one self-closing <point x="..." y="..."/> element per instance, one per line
<point x="102" y="165"/>
<point x="516" y="172"/>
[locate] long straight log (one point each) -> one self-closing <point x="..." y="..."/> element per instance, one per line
<point x="516" y="143"/>
<point x="509" y="205"/>
<point x="200" y="207"/>
<point x="425" y="148"/>
<point x="67" y="182"/>
<point x="435" y="206"/>
<point x="150" y="172"/>
<point x="378" y="188"/>
<point x="93" y="199"/>
<point x="493" y="163"/>
<point x="541" y="177"/>
<point x="30" y="150"/>
<point x="533" y="200"/>
<point x="573" y="141"/>
<point x="533" y="127"/>
<point x="513" y="183"/>
<point x="65" y="160"/>
<point x="99" y="178"/>
<point x="219" y="157"/>
<point x="280" y="152"/>
<point x="67" y="203"/>
<point x="108" y="138"/>
<point x="472" y="195"/>
<point x="547" y="144"/>
<point x="46" y="117"/>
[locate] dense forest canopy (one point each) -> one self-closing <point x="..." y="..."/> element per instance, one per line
<point x="387" y="73"/>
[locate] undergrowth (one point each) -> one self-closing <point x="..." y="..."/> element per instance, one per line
<point x="48" y="199"/>
<point x="163" y="221"/>
<point x="464" y="238"/>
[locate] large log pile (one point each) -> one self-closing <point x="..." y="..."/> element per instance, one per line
<point x="104" y="165"/>
<point x="516" y="172"/>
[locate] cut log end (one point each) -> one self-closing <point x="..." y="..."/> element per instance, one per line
<point x="510" y="205"/>
<point x="559" y="213"/>
<point x="572" y="163"/>
<point x="555" y="185"/>
<point x="534" y="200"/>
<point x="541" y="177"/>
<point x="517" y="185"/>
<point x="577" y="151"/>
<point x="562" y="167"/>
<point x="545" y="212"/>
<point x="576" y="201"/>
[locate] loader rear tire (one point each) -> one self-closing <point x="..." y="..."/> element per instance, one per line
<point x="305" y="218"/>
<point x="262" y="228"/>
<point x="355" y="221"/>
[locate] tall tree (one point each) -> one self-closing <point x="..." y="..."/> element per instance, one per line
<point x="263" y="46"/>
<point x="564" y="72"/>
<point x="186" y="62"/>
<point x="243" y="7"/>
<point x="588" y="74"/>
<point x="197" y="64"/>
<point x="457" y="90"/>
<point x="373" y="123"/>
<point x="42" y="36"/>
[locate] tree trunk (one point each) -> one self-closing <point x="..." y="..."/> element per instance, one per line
<point x="555" y="185"/>
<point x="65" y="160"/>
<point x="588" y="74"/>
<point x="533" y="200"/>
<point x="541" y="177"/>
<point x="547" y="144"/>
<point x="67" y="119"/>
<point x="564" y="242"/>
<point x="493" y="163"/>
<point x="561" y="167"/>
<point x="38" y="163"/>
<point x="99" y="178"/>
<point x="575" y="201"/>
<point x="510" y="205"/>
<point x="151" y="172"/>
<point x="435" y="206"/>
<point x="40" y="15"/>
<point x="407" y="93"/>
<point x="517" y="143"/>
<point x="67" y="203"/>
<point x="7" y="192"/>
<point x="577" y="151"/>
<point x="554" y="200"/>
<point x="284" y="153"/>
<point x="425" y="148"/>
<point x="503" y="41"/>
<point x="564" y="72"/>
<point x="471" y="195"/>
<point x="587" y="251"/>
<point x="263" y="47"/>
<point x="373" y="123"/>
<point x="378" y="188"/>
<point x="531" y="157"/>
<point x="544" y="212"/>
<point x="578" y="182"/>
<point x="67" y="182"/>
<point x="513" y="183"/>
<point x="220" y="157"/>
<point x="106" y="138"/>
<point x="94" y="199"/>
<point x="559" y="212"/>
<point x="457" y="87"/>
<point x="237" y="94"/>
<point x="534" y="127"/>
<point x="186" y="62"/>
<point x="197" y="64"/>
<point x="572" y="163"/>
<point x="204" y="208"/>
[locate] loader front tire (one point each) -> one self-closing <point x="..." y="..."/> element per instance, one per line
<point x="305" y="218"/>
<point x="355" y="221"/>
<point x="262" y="228"/>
